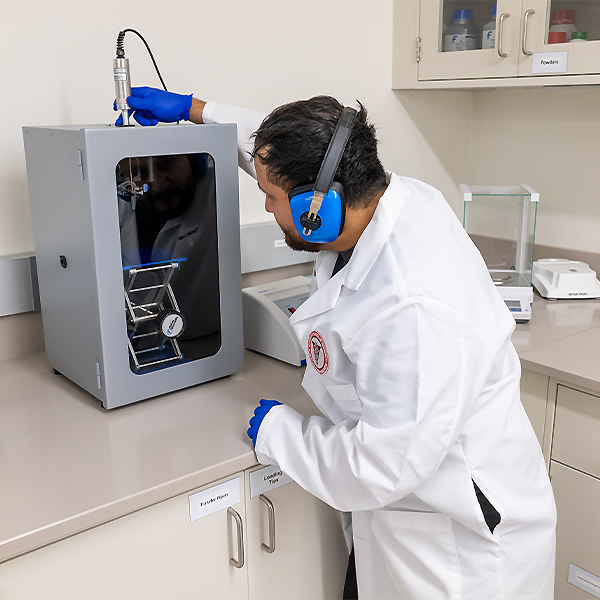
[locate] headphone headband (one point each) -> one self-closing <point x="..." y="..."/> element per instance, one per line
<point x="336" y="148"/>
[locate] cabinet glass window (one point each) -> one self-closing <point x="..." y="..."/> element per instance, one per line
<point x="469" y="25"/>
<point x="572" y="21"/>
<point x="168" y="226"/>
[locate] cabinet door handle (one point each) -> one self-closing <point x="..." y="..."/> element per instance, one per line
<point x="500" y="30"/>
<point x="239" y="563"/>
<point x="271" y="509"/>
<point x="525" y="19"/>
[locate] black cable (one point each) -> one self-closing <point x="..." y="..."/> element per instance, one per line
<point x="121" y="51"/>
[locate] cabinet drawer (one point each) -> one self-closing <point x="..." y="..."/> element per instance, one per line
<point x="577" y="530"/>
<point x="576" y="439"/>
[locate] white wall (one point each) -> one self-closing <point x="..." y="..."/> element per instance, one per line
<point x="550" y="139"/>
<point x="56" y="67"/>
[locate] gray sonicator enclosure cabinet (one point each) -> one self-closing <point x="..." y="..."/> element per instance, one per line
<point x="138" y="255"/>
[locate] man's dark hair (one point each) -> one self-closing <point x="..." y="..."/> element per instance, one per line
<point x="291" y="142"/>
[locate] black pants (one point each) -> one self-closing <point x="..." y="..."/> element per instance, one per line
<point x="350" y="587"/>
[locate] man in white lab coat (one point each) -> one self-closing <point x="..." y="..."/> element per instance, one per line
<point x="423" y="436"/>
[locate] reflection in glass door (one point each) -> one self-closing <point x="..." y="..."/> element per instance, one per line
<point x="168" y="226"/>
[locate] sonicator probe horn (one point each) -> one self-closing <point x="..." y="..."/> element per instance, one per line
<point x="122" y="86"/>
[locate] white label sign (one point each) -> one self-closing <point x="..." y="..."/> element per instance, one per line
<point x="269" y="478"/>
<point x="214" y="499"/>
<point x="583" y="580"/>
<point x="549" y="62"/>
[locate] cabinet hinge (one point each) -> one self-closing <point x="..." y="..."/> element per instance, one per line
<point x="80" y="164"/>
<point x="418" y="48"/>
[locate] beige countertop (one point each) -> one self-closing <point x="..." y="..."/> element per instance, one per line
<point x="67" y="465"/>
<point x="562" y="340"/>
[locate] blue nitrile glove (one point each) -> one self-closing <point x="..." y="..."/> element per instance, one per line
<point x="151" y="105"/>
<point x="260" y="412"/>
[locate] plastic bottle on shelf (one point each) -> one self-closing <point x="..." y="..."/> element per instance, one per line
<point x="462" y="34"/>
<point x="562" y="20"/>
<point x="557" y="37"/>
<point x="579" y="36"/>
<point x="488" y="37"/>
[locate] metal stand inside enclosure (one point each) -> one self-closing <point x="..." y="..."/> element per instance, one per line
<point x="144" y="307"/>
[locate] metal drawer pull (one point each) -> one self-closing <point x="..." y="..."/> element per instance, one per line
<point x="500" y="30"/>
<point x="271" y="547"/>
<point x="525" y="19"/>
<point x="239" y="563"/>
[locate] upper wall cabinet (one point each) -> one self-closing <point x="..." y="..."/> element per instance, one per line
<point x="481" y="43"/>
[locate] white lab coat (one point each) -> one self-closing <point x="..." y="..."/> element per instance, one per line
<point x="411" y="364"/>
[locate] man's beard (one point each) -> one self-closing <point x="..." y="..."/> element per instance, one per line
<point x="173" y="201"/>
<point x="295" y="242"/>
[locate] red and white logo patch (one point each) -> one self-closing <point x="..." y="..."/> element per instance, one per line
<point x="317" y="352"/>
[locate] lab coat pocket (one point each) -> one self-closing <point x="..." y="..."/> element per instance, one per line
<point x="347" y="404"/>
<point x="420" y="553"/>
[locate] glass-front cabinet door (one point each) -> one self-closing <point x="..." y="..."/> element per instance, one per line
<point x="568" y="31"/>
<point x="468" y="39"/>
<point x="483" y="39"/>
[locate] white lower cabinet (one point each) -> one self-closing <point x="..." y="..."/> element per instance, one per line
<point x="575" y="475"/>
<point x="310" y="555"/>
<point x="577" y="499"/>
<point x="159" y="553"/>
<point x="153" y="553"/>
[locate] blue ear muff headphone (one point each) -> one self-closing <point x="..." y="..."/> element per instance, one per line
<point x="319" y="209"/>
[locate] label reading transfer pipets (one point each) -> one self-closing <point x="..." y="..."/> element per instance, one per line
<point x="216" y="498"/>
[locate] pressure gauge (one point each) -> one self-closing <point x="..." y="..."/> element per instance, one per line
<point x="171" y="323"/>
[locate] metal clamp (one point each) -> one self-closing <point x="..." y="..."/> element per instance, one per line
<point x="271" y="547"/>
<point x="524" y="41"/>
<point x="500" y="30"/>
<point x="239" y="563"/>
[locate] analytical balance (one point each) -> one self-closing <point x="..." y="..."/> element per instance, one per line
<point x="501" y="222"/>
<point x="138" y="254"/>
<point x="556" y="278"/>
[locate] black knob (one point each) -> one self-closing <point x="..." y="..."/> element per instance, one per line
<point x="310" y="224"/>
<point x="63" y="261"/>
